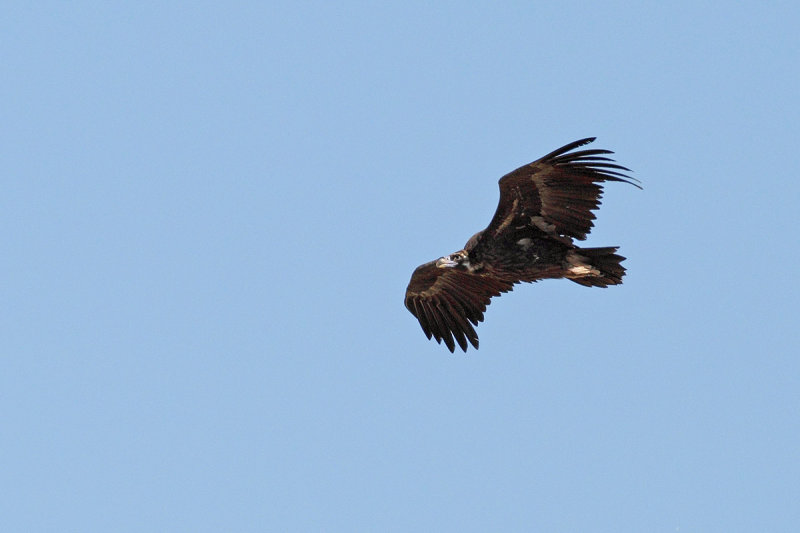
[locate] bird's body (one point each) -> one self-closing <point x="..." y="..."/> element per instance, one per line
<point x="543" y="207"/>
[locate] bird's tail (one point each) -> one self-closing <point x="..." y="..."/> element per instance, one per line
<point x="595" y="267"/>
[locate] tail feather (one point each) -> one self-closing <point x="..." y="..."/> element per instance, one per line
<point x="595" y="267"/>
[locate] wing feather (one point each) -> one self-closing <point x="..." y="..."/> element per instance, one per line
<point x="419" y="310"/>
<point x="433" y="321"/>
<point x="454" y="330"/>
<point x="464" y="326"/>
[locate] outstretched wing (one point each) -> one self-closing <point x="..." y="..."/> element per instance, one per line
<point x="447" y="302"/>
<point x="558" y="192"/>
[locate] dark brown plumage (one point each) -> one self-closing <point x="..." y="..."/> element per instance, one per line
<point x="543" y="207"/>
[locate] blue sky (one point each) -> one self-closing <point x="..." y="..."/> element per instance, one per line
<point x="211" y="213"/>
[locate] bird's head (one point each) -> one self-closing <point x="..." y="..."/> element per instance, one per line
<point x="453" y="260"/>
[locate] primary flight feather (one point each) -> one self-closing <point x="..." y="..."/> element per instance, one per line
<point x="543" y="207"/>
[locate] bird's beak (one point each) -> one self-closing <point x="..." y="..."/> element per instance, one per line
<point x="445" y="262"/>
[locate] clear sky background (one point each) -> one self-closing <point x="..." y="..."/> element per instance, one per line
<point x="210" y="212"/>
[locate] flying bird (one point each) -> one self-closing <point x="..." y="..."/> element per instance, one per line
<point x="543" y="207"/>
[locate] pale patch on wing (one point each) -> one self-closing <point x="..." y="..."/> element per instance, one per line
<point x="509" y="217"/>
<point x="473" y="267"/>
<point x="525" y="243"/>
<point x="540" y="223"/>
<point x="583" y="270"/>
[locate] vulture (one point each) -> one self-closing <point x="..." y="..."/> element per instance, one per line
<point x="544" y="206"/>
